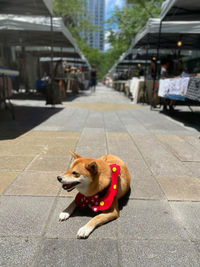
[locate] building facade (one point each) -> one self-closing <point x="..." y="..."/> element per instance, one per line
<point x="96" y="11"/>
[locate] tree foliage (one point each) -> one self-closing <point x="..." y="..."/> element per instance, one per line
<point x="74" y="12"/>
<point x="122" y="26"/>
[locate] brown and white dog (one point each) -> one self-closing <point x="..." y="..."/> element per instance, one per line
<point x="95" y="178"/>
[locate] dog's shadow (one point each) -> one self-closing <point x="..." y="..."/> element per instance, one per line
<point x="89" y="213"/>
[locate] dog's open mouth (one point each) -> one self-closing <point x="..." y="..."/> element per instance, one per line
<point x="70" y="187"/>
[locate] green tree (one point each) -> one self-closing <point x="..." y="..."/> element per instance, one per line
<point x="127" y="23"/>
<point x="73" y="12"/>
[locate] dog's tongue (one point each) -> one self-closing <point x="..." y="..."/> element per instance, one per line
<point x="66" y="186"/>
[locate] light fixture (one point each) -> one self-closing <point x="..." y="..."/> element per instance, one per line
<point x="179" y="43"/>
<point x="154" y="58"/>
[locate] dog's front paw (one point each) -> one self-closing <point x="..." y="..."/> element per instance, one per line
<point x="84" y="232"/>
<point x="63" y="216"/>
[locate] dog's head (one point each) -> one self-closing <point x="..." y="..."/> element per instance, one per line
<point x="85" y="175"/>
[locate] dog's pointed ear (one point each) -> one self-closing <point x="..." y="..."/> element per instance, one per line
<point x="92" y="168"/>
<point x="76" y="156"/>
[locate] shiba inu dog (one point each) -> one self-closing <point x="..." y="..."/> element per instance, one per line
<point x="101" y="183"/>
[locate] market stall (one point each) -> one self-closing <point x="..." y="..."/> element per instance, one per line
<point x="180" y="10"/>
<point x="32" y="35"/>
<point x="27" y="7"/>
<point x="179" y="36"/>
<point x="23" y="7"/>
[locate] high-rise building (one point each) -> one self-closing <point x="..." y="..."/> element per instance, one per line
<point x="96" y="10"/>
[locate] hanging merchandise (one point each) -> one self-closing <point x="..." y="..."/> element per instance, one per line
<point x="193" y="91"/>
<point x="175" y="88"/>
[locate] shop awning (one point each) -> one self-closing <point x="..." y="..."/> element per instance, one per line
<point x="29" y="30"/>
<point x="186" y="32"/>
<point x="27" y="7"/>
<point x="34" y="33"/>
<point x="184" y="10"/>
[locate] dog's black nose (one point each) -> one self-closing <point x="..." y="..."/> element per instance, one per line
<point x="59" y="178"/>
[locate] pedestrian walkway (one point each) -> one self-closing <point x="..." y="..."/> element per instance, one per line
<point x="159" y="226"/>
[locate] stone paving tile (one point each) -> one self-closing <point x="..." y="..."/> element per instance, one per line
<point x="159" y="160"/>
<point x="75" y="123"/>
<point x="193" y="140"/>
<point x="146" y="188"/>
<point x="51" y="134"/>
<point x="180" y="188"/>
<point x="36" y="141"/>
<point x="148" y="253"/>
<point x="62" y="121"/>
<point x="194" y="167"/>
<point x="38" y="138"/>
<point x="59" y="151"/>
<point x="95" y="120"/>
<point x="14" y="163"/>
<point x="92" y="143"/>
<point x="183" y="150"/>
<point x="78" y="253"/>
<point x="17" y="251"/>
<point x="136" y="129"/>
<point x="24" y="216"/>
<point x="35" y="184"/>
<point x="7" y="143"/>
<point x="142" y="219"/>
<point x="189" y="215"/>
<point x="69" y="228"/>
<point x="138" y="168"/>
<point x="19" y="149"/>
<point x="155" y="121"/>
<point x="113" y="123"/>
<point x="123" y="146"/>
<point x="131" y="122"/>
<point x="103" y="106"/>
<point x="68" y="141"/>
<point x="45" y="163"/>
<point x="6" y="178"/>
<point x="197" y="245"/>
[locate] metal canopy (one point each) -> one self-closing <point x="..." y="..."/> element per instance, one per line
<point x="29" y="31"/>
<point x="133" y="62"/>
<point x="45" y="51"/>
<point x="172" y="32"/>
<point x="185" y="10"/>
<point x="34" y="31"/>
<point x="27" y="7"/>
<point x="62" y="53"/>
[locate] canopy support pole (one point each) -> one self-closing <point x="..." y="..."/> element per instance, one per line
<point x="52" y="43"/>
<point x="145" y="72"/>
<point x="157" y="74"/>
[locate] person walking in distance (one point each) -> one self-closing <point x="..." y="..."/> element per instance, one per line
<point x="93" y="78"/>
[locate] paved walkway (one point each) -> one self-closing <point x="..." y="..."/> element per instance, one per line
<point x="160" y="225"/>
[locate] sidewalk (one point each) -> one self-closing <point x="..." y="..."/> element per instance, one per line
<point x="160" y="226"/>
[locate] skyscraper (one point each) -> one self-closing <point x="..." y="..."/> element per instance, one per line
<point x="96" y="10"/>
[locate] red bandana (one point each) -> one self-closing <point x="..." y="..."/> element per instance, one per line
<point x="95" y="202"/>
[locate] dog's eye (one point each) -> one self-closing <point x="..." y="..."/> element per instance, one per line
<point x="76" y="174"/>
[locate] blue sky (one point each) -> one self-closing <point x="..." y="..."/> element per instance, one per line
<point x="110" y="5"/>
